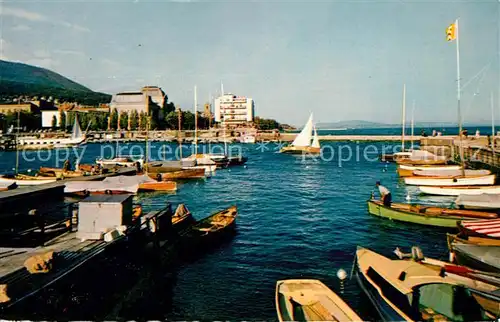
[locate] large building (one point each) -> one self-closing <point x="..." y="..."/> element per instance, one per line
<point x="232" y="110"/>
<point x="148" y="100"/>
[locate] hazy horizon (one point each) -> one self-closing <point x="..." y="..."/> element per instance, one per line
<point x="341" y="60"/>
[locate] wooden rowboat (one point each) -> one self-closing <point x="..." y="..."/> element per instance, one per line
<point x="407" y="170"/>
<point x="158" y="186"/>
<point x="60" y="173"/>
<point x="210" y="230"/>
<point x="481" y="257"/>
<point x="25" y="180"/>
<point x="460" y="190"/>
<point x="447" y="181"/>
<point x="461" y="238"/>
<point x="178" y="174"/>
<point x="431" y="216"/>
<point x="310" y="300"/>
<point x="422" y="162"/>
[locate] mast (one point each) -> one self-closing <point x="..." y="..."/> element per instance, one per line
<point x="146" y="158"/>
<point x="492" y="122"/>
<point x="412" y="123"/>
<point x="224" y="118"/>
<point x="210" y="122"/>
<point x="179" y="117"/>
<point x="404" y="120"/>
<point x="195" y="122"/>
<point x="459" y="111"/>
<point x="17" y="142"/>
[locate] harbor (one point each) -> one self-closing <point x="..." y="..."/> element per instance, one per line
<point x="174" y="161"/>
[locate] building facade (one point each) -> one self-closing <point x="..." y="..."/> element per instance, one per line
<point x="149" y="100"/>
<point x="232" y="110"/>
<point x="48" y="116"/>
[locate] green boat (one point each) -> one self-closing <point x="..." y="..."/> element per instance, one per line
<point x="430" y="216"/>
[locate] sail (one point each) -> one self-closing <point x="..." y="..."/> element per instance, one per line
<point x="304" y="137"/>
<point x="77" y="131"/>
<point x="315" y="143"/>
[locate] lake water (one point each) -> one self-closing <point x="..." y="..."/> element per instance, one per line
<point x="298" y="218"/>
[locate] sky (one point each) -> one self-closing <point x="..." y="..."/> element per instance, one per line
<point x="341" y="60"/>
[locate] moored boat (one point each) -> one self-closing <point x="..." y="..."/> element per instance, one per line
<point x="24" y="180"/>
<point x="177" y="174"/>
<point x="60" y="173"/>
<point x="481" y="257"/>
<point x="459" y="190"/>
<point x="483" y="201"/>
<point x="422" y="162"/>
<point x="445" y="173"/>
<point x="407" y="170"/>
<point x="417" y="214"/>
<point x="456" y="181"/>
<point x="302" y="143"/>
<point x="482" y="228"/>
<point x="403" y="290"/>
<point x="310" y="300"/>
<point x="144" y="182"/>
<point x="121" y="161"/>
<point x="211" y="229"/>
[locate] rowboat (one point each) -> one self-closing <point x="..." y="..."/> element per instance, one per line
<point x="402" y="290"/>
<point x="485" y="287"/>
<point x="84" y="188"/>
<point x="210" y="230"/>
<point x="456" y="181"/>
<point x="460" y="190"/>
<point x="461" y="238"/>
<point x="60" y="173"/>
<point x="483" y="201"/>
<point x="485" y="257"/>
<point x="407" y="170"/>
<point x="442" y="173"/>
<point x="430" y="216"/>
<point x="302" y="143"/>
<point x="182" y="218"/>
<point x="121" y="161"/>
<point x="24" y="180"/>
<point x="310" y="300"/>
<point x="144" y="182"/>
<point x="178" y="174"/>
<point x="422" y="162"/>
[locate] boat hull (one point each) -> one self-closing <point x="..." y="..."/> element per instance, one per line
<point x="458" y="181"/>
<point x="300" y="150"/>
<point x="421" y="162"/>
<point x="26" y="181"/>
<point x="469" y="260"/>
<point x="376" y="208"/>
<point x="158" y="186"/>
<point x="407" y="170"/>
<point x="456" y="191"/>
<point x="179" y="174"/>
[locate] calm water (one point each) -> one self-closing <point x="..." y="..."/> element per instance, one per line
<point x="297" y="219"/>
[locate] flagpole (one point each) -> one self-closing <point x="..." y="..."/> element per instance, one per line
<point x="461" y="148"/>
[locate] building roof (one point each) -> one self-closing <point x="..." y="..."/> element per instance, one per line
<point x="130" y="93"/>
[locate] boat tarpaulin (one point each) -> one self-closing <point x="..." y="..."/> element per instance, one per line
<point x="484" y="200"/>
<point x="129" y="180"/>
<point x="99" y="186"/>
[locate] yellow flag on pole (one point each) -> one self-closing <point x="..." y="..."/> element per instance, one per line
<point x="451" y="32"/>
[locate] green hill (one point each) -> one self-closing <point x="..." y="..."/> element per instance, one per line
<point x="18" y="79"/>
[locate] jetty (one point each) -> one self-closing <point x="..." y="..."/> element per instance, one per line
<point x="25" y="197"/>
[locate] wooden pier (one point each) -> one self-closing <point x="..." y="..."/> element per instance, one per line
<point x="29" y="196"/>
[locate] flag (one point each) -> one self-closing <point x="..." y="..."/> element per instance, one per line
<point x="451" y="32"/>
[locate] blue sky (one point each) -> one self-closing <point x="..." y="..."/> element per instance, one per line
<point x="342" y="60"/>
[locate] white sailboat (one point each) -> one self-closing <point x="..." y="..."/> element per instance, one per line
<point x="306" y="141"/>
<point x="202" y="160"/>
<point x="77" y="137"/>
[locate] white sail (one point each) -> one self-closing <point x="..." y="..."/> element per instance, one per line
<point x="315" y="143"/>
<point x="77" y="131"/>
<point x="305" y="136"/>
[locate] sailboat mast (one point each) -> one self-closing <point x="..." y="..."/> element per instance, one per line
<point x="179" y="116"/>
<point x="210" y="122"/>
<point x="223" y="119"/>
<point x="403" y="126"/>
<point x="459" y="111"/>
<point x="195" y="121"/>
<point x="146" y="158"/>
<point x="17" y="141"/>
<point x="492" y="122"/>
<point x="412" y="123"/>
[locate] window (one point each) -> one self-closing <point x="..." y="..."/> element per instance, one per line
<point x="399" y="299"/>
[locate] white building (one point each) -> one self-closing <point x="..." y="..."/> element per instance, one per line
<point x="234" y="110"/>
